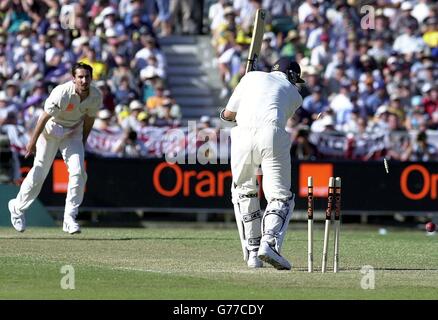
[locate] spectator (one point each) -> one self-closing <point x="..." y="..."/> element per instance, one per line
<point x="163" y="21"/>
<point x="5" y="108"/>
<point x="27" y="69"/>
<point x="184" y="16"/>
<point x="99" y="68"/>
<point x="216" y="15"/>
<point x="292" y="45"/>
<point x="103" y="120"/>
<point x="223" y="35"/>
<point x="421" y="10"/>
<point x="108" y="99"/>
<point x="380" y="49"/>
<point x="315" y="104"/>
<point x="342" y="105"/>
<point x="13" y="94"/>
<point x="405" y="19"/>
<point x="430" y="36"/>
<point x="422" y="150"/>
<point x="157" y="100"/>
<point x="417" y="118"/>
<point x="408" y="42"/>
<point x="121" y="71"/>
<point x="321" y="54"/>
<point x="268" y="53"/>
<point x="150" y="48"/>
<point x="402" y="151"/>
<point x="131" y="123"/>
<point x="130" y="146"/>
<point x="302" y="148"/>
<point x="150" y="80"/>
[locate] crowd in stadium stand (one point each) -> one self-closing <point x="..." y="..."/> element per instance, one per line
<point x="371" y="76"/>
<point x="371" y="72"/>
<point x="41" y="39"/>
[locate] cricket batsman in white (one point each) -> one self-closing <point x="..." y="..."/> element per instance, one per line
<point x="260" y="105"/>
<point x="65" y="124"/>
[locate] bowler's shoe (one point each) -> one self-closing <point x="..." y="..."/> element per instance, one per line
<point x="71" y="226"/>
<point x="18" y="219"/>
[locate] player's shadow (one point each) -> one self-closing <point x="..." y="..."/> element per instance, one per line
<point x="75" y="238"/>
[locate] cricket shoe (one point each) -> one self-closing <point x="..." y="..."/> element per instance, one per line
<point x="71" y="226"/>
<point x="18" y="219"/>
<point x="254" y="261"/>
<point x="270" y="255"/>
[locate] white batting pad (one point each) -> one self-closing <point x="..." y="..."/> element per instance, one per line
<point x="248" y="217"/>
<point x="276" y="220"/>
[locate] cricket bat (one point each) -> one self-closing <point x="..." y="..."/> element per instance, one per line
<point x="256" y="41"/>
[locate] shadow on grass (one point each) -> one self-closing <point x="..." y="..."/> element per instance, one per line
<point x="116" y="239"/>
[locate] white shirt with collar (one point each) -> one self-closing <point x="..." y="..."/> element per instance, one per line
<point x="65" y="105"/>
<point x="263" y="98"/>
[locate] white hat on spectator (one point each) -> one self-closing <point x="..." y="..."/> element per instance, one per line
<point x="268" y="36"/>
<point x="305" y="61"/>
<point x="3" y="96"/>
<point x="110" y="33"/>
<point x="229" y="10"/>
<point x="120" y="107"/>
<point x="25" y="42"/>
<point x="24" y="26"/>
<point x="104" y="114"/>
<point x="382" y="109"/>
<point x="108" y="11"/>
<point x="12" y="82"/>
<point x="426" y="87"/>
<point x="50" y="53"/>
<point x="135" y="105"/>
<point x="391" y="60"/>
<point x="406" y="5"/>
<point x="311" y="71"/>
<point x="327" y="121"/>
<point x="148" y="72"/>
<point x="205" y="119"/>
<point x="98" y="20"/>
<point x="80" y="41"/>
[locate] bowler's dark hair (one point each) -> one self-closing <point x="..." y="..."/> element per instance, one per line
<point x="81" y="65"/>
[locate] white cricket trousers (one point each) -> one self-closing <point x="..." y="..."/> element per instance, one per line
<point x="269" y="147"/>
<point x="72" y="150"/>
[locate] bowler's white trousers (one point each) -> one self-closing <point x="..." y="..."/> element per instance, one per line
<point x="69" y="143"/>
<point x="269" y="147"/>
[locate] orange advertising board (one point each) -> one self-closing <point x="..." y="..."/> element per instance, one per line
<point x="60" y="176"/>
<point x="321" y="172"/>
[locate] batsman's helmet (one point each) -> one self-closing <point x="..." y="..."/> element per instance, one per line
<point x="290" y="67"/>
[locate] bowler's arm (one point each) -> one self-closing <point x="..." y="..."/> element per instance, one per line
<point x="31" y="146"/>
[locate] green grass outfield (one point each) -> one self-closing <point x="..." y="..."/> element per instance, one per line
<point x="206" y="263"/>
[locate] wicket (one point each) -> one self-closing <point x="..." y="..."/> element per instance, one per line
<point x="333" y="204"/>
<point x="310" y="224"/>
